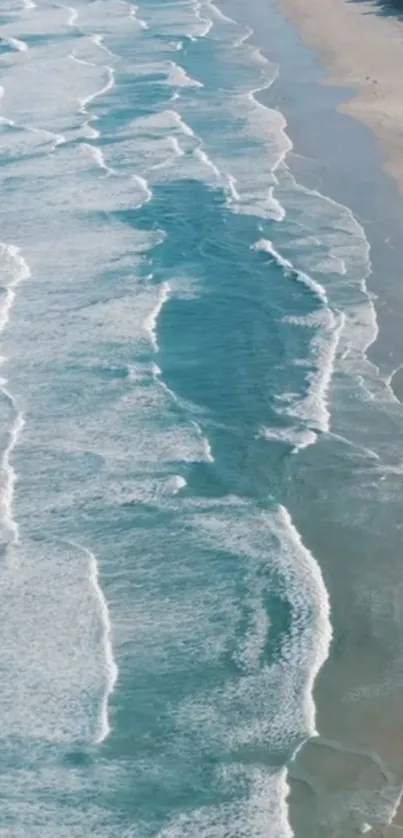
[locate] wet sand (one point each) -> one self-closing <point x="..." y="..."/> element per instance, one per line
<point x="349" y="781"/>
<point x="361" y="49"/>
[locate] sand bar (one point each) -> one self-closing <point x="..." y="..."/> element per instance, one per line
<point x="363" y="50"/>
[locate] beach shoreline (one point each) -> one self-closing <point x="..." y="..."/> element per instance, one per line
<point x="348" y="781"/>
<point x="361" y="50"/>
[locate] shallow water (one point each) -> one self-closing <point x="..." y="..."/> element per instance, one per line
<point x="189" y="413"/>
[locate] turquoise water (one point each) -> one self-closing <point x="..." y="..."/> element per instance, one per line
<point x="183" y="327"/>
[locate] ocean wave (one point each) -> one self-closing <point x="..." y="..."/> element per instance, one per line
<point x="17" y="44"/>
<point x="289" y="271"/>
<point x="175" y="484"/>
<point x="99" y="158"/>
<point x="133" y="10"/>
<point x="311" y="408"/>
<point x="150" y="322"/>
<point x="16" y="270"/>
<point x="111" y="669"/>
<point x="249" y="131"/>
<point x="117" y="459"/>
<point x="72" y="18"/>
<point x="265" y="700"/>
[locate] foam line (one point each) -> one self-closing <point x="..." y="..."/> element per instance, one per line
<point x="98" y="40"/>
<point x="184" y="127"/>
<point x="82" y="61"/>
<point x="12" y="257"/>
<point x="73" y="16"/>
<point x="90" y="132"/>
<point x="111" y="668"/>
<point x="234" y="194"/>
<point x="267" y="247"/>
<point x="58" y="139"/>
<point x="145" y="187"/>
<point x="205" y="159"/>
<point x="219" y="14"/>
<point x="208" y="22"/>
<point x="321" y="627"/>
<point x="313" y="408"/>
<point x="98" y="157"/>
<point x="15" y="43"/>
<point x="176" y="483"/>
<point x="179" y="78"/>
<point x="133" y="16"/>
<point x="109" y="84"/>
<point x="9" y="476"/>
<point x="207" y="452"/>
<point x="12" y="254"/>
<point x="150" y="323"/>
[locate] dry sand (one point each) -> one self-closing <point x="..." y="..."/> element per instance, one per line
<point x="362" y="50"/>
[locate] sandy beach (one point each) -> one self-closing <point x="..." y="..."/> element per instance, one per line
<point x="363" y="50"/>
<point x="356" y="765"/>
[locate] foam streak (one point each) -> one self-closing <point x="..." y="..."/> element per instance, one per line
<point x="150" y="323"/>
<point x="111" y="669"/>
<point x="13" y="262"/>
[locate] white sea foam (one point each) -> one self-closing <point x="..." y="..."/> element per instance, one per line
<point x="15" y="43"/>
<point x="320" y="630"/>
<point x="16" y="270"/>
<point x="242" y="531"/>
<point x="56" y="139"/>
<point x="334" y="237"/>
<point x="204" y="158"/>
<point x="145" y="187"/>
<point x="299" y="438"/>
<point x="312" y="408"/>
<point x="72" y="16"/>
<point x="98" y="40"/>
<point x="89" y="132"/>
<point x="183" y="126"/>
<point x="176" y="147"/>
<point x="176" y="483"/>
<point x="13" y="263"/>
<point x="260" y="812"/>
<point x="82" y="61"/>
<point x="162" y="147"/>
<point x="9" y="476"/>
<point x="266" y="699"/>
<point x="206" y="22"/>
<point x="207" y="451"/>
<point x="111" y="669"/>
<point x="185" y="20"/>
<point x="150" y="323"/>
<point x="97" y="155"/>
<point x="133" y="10"/>
<point x="178" y="77"/>
<point x="86" y="100"/>
<point x="266" y="246"/>
<point x="248" y="176"/>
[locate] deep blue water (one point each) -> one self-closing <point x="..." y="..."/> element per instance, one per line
<point x="184" y="336"/>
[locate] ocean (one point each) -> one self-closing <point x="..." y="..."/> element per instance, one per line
<point x="191" y="422"/>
